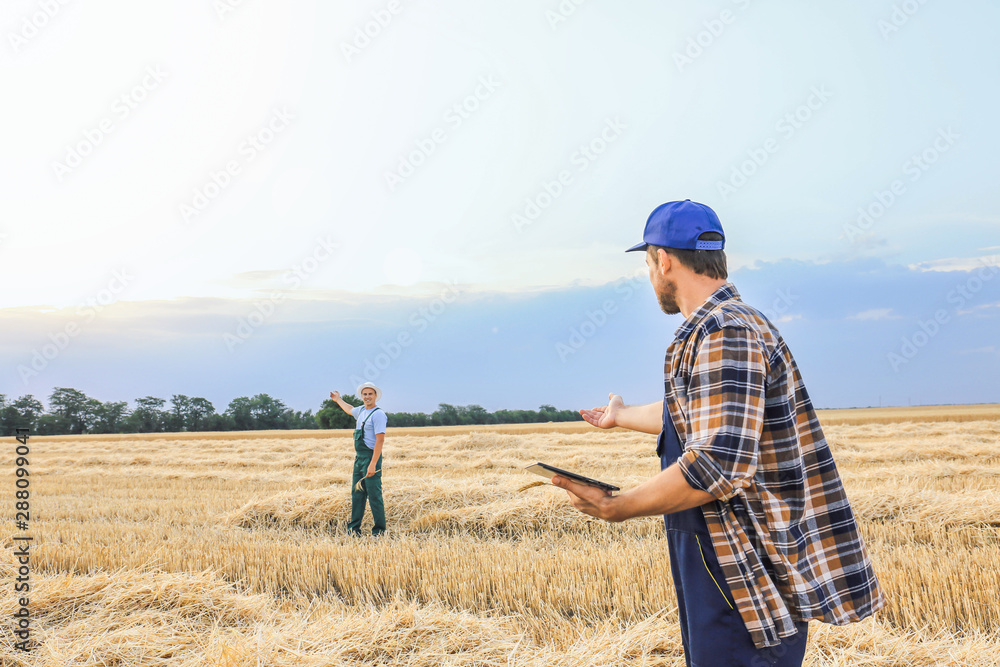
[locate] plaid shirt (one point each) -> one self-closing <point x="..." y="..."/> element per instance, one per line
<point x="781" y="525"/>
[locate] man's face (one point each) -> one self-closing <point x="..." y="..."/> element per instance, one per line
<point x="665" y="288"/>
<point x="368" y="396"/>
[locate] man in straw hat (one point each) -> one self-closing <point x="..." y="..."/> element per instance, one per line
<point x="760" y="533"/>
<point x="369" y="436"/>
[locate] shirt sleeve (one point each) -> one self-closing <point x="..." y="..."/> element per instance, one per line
<point x="355" y="410"/>
<point x="725" y="412"/>
<point x="379" y="421"/>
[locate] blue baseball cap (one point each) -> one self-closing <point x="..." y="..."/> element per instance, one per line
<point x="678" y="224"/>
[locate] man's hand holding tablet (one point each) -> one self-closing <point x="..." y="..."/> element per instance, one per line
<point x="588" y="495"/>
<point x="550" y="472"/>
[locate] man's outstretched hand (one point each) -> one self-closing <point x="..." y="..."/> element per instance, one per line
<point x="605" y="416"/>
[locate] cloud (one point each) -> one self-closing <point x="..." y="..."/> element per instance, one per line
<point x="958" y="263"/>
<point x="565" y="346"/>
<point x="874" y="314"/>
<point x="254" y="279"/>
<point x="991" y="350"/>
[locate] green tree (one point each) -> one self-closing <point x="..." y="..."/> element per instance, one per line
<point x="262" y="412"/>
<point x="477" y="414"/>
<point x="526" y="416"/>
<point x="199" y="412"/>
<point x="301" y="420"/>
<point x="240" y="410"/>
<point x="219" y="422"/>
<point x="148" y="415"/>
<point x="446" y="415"/>
<point x="569" y="416"/>
<point x="177" y="416"/>
<point x="400" y="418"/>
<point x="268" y="413"/>
<point x="331" y="416"/>
<point x="75" y="408"/>
<point x="8" y="417"/>
<point x="189" y="414"/>
<point x="503" y="416"/>
<point x="404" y="419"/>
<point x="110" y="417"/>
<point x="49" y="424"/>
<point x="28" y="410"/>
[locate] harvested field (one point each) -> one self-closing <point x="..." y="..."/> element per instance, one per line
<point x="231" y="549"/>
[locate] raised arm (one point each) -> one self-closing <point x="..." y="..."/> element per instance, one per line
<point x="643" y="418"/>
<point x="344" y="405"/>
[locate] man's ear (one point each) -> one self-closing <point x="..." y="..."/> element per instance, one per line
<point x="665" y="260"/>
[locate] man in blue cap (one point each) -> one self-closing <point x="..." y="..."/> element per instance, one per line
<point x="761" y="535"/>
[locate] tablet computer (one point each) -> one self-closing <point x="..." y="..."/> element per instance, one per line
<point x="548" y="472"/>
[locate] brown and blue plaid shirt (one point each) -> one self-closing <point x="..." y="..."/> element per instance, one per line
<point x="783" y="530"/>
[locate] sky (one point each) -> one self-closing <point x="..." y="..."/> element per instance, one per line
<point x="230" y="197"/>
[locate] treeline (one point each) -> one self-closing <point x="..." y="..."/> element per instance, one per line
<point x="450" y="415"/>
<point x="331" y="416"/>
<point x="73" y="412"/>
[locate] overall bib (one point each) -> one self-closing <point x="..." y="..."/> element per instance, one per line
<point x="371" y="487"/>
<point x="712" y="631"/>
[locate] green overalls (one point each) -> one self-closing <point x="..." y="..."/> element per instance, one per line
<point x="371" y="487"/>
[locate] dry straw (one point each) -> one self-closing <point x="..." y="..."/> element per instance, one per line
<point x="233" y="551"/>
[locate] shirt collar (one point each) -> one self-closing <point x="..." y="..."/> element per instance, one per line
<point x="725" y="293"/>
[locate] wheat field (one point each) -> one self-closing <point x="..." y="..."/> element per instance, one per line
<point x="230" y="549"/>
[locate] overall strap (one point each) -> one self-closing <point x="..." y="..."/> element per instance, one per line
<point x="369" y="415"/>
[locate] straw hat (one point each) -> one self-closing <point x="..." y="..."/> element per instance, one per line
<point x="378" y="392"/>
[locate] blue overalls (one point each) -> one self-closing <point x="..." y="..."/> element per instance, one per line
<point x="712" y="630"/>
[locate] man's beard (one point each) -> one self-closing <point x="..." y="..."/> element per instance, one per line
<point x="668" y="298"/>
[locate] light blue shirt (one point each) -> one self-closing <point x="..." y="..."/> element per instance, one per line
<point x="376" y="423"/>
